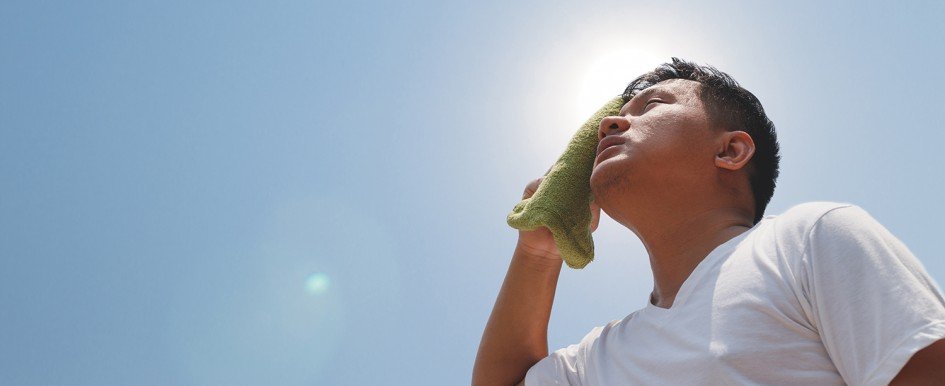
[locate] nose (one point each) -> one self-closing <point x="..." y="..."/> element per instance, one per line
<point x="612" y="125"/>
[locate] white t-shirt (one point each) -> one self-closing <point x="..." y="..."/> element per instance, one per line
<point x="820" y="295"/>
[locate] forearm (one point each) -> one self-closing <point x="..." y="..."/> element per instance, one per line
<point x="516" y="335"/>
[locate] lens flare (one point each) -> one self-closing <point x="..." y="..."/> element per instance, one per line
<point x="317" y="283"/>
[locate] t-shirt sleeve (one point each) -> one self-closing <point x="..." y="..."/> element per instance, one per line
<point x="564" y="366"/>
<point x="871" y="300"/>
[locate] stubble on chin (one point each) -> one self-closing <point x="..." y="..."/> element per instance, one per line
<point x="606" y="185"/>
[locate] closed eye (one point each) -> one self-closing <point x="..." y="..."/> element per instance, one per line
<point x="650" y="102"/>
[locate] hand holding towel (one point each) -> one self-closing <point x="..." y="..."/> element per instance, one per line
<point x="562" y="201"/>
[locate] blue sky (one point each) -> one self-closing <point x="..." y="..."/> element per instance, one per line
<point x="298" y="193"/>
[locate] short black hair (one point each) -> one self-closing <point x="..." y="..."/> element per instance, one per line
<point x="730" y="106"/>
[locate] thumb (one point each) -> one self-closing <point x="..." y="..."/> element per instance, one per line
<point x="595" y="216"/>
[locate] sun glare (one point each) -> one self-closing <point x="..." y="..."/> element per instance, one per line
<point x="608" y="75"/>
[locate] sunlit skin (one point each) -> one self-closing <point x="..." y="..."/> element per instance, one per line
<point x="677" y="182"/>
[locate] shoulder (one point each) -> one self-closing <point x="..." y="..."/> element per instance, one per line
<point x="812" y="226"/>
<point x="795" y="225"/>
<point x="838" y="233"/>
<point x="570" y="364"/>
<point x="601" y="334"/>
<point x="809" y="213"/>
<point x="598" y="337"/>
<point x="826" y="219"/>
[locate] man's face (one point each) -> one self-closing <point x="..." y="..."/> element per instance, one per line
<point x="660" y="144"/>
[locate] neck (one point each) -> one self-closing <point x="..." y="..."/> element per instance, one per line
<point x="679" y="243"/>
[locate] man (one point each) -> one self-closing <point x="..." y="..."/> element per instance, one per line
<point x="821" y="294"/>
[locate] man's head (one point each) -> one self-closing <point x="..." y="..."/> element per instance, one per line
<point x="687" y="133"/>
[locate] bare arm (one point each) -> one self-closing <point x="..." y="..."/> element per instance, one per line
<point x="926" y="367"/>
<point x="516" y="336"/>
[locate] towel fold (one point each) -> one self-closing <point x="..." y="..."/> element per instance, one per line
<point x="562" y="201"/>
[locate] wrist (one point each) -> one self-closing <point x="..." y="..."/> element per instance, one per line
<point x="537" y="257"/>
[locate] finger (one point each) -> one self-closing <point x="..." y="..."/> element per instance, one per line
<point x="531" y="188"/>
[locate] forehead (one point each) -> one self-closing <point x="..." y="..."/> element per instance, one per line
<point x="680" y="88"/>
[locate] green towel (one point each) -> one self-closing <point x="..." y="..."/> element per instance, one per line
<point x="562" y="201"/>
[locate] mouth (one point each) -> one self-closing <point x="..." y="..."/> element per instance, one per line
<point x="608" y="142"/>
<point x="605" y="153"/>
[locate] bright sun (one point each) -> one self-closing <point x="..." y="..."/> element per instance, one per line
<point x="608" y="75"/>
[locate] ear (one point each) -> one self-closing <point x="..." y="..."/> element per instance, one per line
<point x="735" y="150"/>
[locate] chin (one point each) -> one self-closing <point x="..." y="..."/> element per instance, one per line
<point x="604" y="180"/>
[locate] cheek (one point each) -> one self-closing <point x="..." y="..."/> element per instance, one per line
<point x="650" y="134"/>
<point x="653" y="142"/>
<point x="673" y="140"/>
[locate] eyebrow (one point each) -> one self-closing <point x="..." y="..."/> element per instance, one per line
<point x="642" y="95"/>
